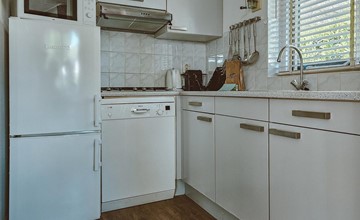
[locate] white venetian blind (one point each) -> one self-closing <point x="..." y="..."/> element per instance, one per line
<point x="327" y="33"/>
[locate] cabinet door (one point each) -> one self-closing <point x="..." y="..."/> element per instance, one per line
<point x="199" y="152"/>
<point x="313" y="177"/>
<point x="242" y="167"/>
<point x="197" y="17"/>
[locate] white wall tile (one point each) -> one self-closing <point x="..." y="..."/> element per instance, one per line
<point x="350" y="81"/>
<point x="147" y="80"/>
<point x="117" y="42"/>
<point x="132" y="80"/>
<point x="147" y="63"/>
<point x="329" y="82"/>
<point x="200" y="63"/>
<point x="105" y="62"/>
<point x="105" y="79"/>
<point x="161" y="47"/>
<point x="105" y="40"/>
<point x="117" y="79"/>
<point x="313" y="81"/>
<point x="161" y="64"/>
<point x="199" y="49"/>
<point x="147" y="44"/>
<point x="160" y="80"/>
<point x="132" y="43"/>
<point x="274" y="83"/>
<point x="188" y="49"/>
<point x="187" y="60"/>
<point x="175" y="48"/>
<point x="261" y="79"/>
<point x="132" y="63"/>
<point x="117" y="62"/>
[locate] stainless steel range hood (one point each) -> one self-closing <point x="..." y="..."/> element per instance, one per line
<point x="131" y="19"/>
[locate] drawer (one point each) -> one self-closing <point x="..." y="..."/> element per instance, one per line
<point x="198" y="103"/>
<point x="257" y="109"/>
<point x="333" y="116"/>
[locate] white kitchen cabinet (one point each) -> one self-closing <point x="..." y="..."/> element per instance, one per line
<point x="314" y="174"/>
<point x="156" y="4"/>
<point x="200" y="20"/>
<point x="242" y="167"/>
<point x="199" y="152"/>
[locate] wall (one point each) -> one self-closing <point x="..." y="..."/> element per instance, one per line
<point x="139" y="60"/>
<point x="256" y="76"/>
<point x="4" y="13"/>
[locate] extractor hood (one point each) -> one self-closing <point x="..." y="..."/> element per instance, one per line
<point x="131" y="19"/>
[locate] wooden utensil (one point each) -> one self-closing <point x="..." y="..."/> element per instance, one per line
<point x="235" y="74"/>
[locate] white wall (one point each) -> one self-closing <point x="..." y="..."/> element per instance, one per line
<point x="4" y="13"/>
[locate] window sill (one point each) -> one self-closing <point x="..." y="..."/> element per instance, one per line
<point x="325" y="70"/>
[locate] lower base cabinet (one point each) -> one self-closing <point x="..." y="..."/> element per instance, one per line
<point x="242" y="167"/>
<point x="199" y="152"/>
<point x="314" y="174"/>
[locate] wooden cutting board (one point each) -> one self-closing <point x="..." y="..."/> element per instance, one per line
<point x="235" y="74"/>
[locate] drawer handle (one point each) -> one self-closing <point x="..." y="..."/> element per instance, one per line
<point x="178" y="28"/>
<point x="307" y="114"/>
<point x="252" y="127"/>
<point x="206" y="119"/>
<point x="288" y="134"/>
<point x="197" y="104"/>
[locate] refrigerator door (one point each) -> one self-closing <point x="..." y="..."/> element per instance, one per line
<point x="55" y="177"/>
<point x="54" y="77"/>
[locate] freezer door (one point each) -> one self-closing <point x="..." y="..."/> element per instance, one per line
<point x="55" y="178"/>
<point x="54" y="77"/>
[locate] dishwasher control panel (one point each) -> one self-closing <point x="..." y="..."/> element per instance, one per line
<point x="137" y="110"/>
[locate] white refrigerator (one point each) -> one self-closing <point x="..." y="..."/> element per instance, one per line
<point x="55" y="145"/>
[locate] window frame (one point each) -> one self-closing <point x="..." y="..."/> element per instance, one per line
<point x="354" y="50"/>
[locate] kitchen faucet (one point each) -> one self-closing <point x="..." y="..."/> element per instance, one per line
<point x="303" y="84"/>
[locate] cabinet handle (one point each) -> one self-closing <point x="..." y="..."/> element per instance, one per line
<point x="307" y="114"/>
<point x="197" y="104"/>
<point x="288" y="134"/>
<point x="206" y="119"/>
<point x="252" y="127"/>
<point x="137" y="0"/>
<point x="178" y="28"/>
<point x="97" y="114"/>
<point x="97" y="155"/>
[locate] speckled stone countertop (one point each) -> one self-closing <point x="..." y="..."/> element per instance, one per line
<point x="280" y="94"/>
<point x="112" y="94"/>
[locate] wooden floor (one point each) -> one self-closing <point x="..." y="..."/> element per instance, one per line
<point x="179" y="208"/>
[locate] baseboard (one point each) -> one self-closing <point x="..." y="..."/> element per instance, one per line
<point x="180" y="188"/>
<point x="211" y="207"/>
<point x="138" y="200"/>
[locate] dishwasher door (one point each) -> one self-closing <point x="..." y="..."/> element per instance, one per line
<point x="138" y="157"/>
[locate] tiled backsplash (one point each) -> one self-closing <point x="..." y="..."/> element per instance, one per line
<point x="139" y="60"/>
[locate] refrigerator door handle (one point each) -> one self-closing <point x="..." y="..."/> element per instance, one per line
<point x="97" y="155"/>
<point x="97" y="104"/>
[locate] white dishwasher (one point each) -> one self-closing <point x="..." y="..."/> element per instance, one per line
<point x="138" y="153"/>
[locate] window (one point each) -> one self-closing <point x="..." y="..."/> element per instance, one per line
<point x="327" y="33"/>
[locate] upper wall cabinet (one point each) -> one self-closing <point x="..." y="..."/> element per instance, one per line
<point x="200" y="20"/>
<point x="156" y="4"/>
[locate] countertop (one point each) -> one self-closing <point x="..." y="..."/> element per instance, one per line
<point x="283" y="94"/>
<point x="112" y="94"/>
<point x="280" y="94"/>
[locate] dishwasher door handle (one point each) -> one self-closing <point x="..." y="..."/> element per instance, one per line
<point x="140" y="110"/>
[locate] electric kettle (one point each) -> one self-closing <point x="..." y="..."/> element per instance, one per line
<point x="173" y="79"/>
